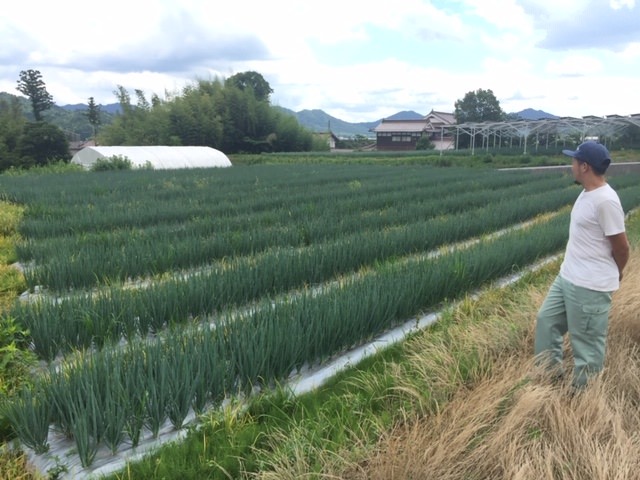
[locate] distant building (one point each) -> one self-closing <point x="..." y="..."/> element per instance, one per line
<point x="76" y="145"/>
<point x="329" y="137"/>
<point x="401" y="135"/>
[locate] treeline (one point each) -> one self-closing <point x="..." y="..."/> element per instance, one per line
<point x="233" y="115"/>
<point x="26" y="144"/>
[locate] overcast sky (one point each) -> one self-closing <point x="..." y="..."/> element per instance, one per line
<point x="358" y="60"/>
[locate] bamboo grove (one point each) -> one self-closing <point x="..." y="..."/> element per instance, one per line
<point x="165" y="292"/>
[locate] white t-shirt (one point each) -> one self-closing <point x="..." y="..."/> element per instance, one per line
<point x="588" y="260"/>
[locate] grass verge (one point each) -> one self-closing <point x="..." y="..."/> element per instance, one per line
<point x="507" y="426"/>
<point x="15" y="360"/>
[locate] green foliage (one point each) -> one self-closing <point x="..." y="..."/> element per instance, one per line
<point x="356" y="142"/>
<point x="320" y="143"/>
<point x="289" y="136"/>
<point x="16" y="369"/>
<point x="115" y="162"/>
<point x="256" y="346"/>
<point x="479" y="106"/>
<point x="75" y="122"/>
<point x="252" y="81"/>
<point x="29" y="412"/>
<point x="275" y="228"/>
<point x="54" y="167"/>
<point x="115" y="242"/>
<point x="234" y="116"/>
<point x="424" y="143"/>
<point x="40" y="144"/>
<point x="32" y="85"/>
<point x="15" y="357"/>
<point x="194" y="118"/>
<point x="94" y="115"/>
<point x="11" y="127"/>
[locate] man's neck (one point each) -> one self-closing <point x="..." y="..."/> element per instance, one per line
<point x="593" y="181"/>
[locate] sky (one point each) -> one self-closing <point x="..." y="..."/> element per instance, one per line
<point x="358" y="60"/>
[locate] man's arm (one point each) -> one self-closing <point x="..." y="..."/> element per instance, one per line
<point x="620" y="250"/>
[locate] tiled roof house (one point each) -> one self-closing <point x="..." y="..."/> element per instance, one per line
<point x="395" y="135"/>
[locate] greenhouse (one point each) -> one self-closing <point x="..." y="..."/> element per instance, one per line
<point x="158" y="157"/>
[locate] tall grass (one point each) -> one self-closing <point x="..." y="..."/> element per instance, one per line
<point x="506" y="426"/>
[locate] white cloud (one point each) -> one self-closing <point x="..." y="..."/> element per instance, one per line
<point x="631" y="54"/>
<point x="504" y="14"/>
<point x="410" y="55"/>
<point x="574" y="66"/>
<point x="618" y="4"/>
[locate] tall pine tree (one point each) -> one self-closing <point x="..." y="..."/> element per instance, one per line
<point x="32" y="85"/>
<point x="93" y="116"/>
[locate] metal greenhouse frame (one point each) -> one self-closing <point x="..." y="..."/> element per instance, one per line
<point x="545" y="130"/>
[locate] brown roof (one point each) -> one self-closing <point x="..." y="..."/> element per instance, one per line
<point x="440" y="118"/>
<point x="432" y="121"/>
<point x="390" y="126"/>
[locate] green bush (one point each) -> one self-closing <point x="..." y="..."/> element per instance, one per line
<point x="114" y="162"/>
<point x="15" y="366"/>
<point x="424" y="143"/>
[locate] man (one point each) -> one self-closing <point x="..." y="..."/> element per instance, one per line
<point x="579" y="299"/>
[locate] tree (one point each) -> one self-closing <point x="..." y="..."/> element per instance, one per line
<point x="223" y="115"/>
<point x="143" y="103"/>
<point x="11" y="124"/>
<point x="479" y="106"/>
<point x="42" y="143"/>
<point x="32" y="85"/>
<point x="254" y="81"/>
<point x="93" y="115"/>
<point x="124" y="99"/>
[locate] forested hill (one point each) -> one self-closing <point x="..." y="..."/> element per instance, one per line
<point x="70" y="118"/>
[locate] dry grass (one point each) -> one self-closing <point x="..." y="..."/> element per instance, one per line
<point x="507" y="426"/>
<point x="13" y="466"/>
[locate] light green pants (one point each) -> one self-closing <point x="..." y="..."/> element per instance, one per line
<point x="584" y="315"/>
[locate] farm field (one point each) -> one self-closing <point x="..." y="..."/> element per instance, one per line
<point x="160" y="294"/>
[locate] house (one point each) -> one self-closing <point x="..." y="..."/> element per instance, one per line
<point x="329" y="138"/>
<point x="440" y="136"/>
<point x="397" y="135"/>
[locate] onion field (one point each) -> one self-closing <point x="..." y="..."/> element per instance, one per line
<point x="158" y="293"/>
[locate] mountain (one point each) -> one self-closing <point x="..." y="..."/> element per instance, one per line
<point x="320" y="121"/>
<point x="531" y="114"/>
<point x="405" y="115"/>
<point x="111" y="108"/>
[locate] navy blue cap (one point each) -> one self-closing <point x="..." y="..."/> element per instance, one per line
<point x="593" y="153"/>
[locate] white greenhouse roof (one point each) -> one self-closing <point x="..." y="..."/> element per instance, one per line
<point x="159" y="157"/>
